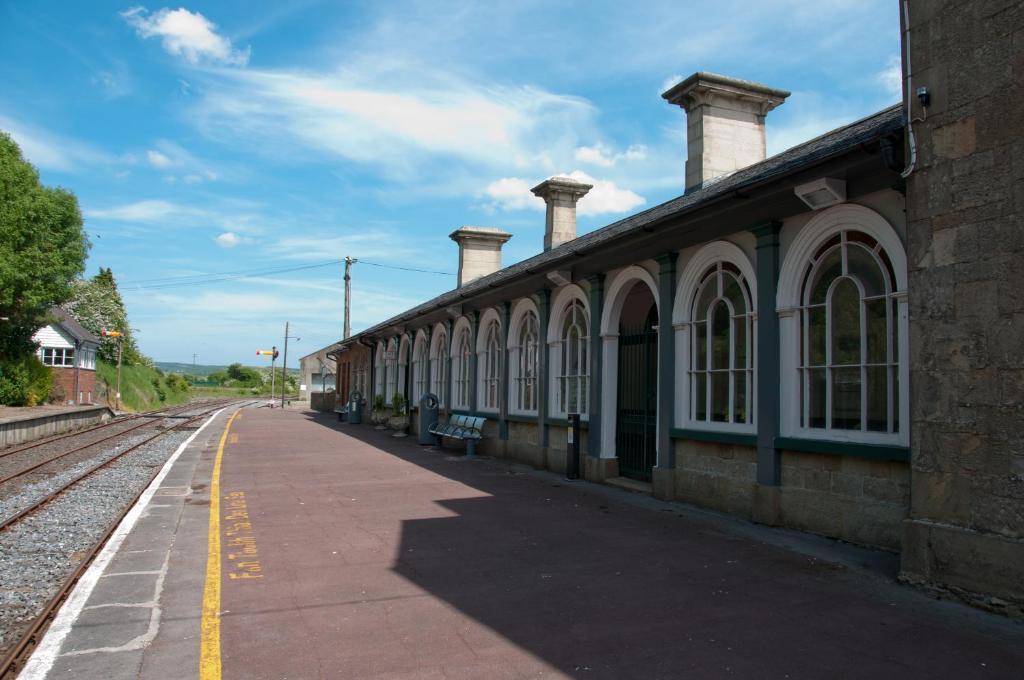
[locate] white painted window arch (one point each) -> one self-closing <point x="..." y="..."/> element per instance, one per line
<point x="462" y="357"/>
<point x="390" y="370"/>
<point x="569" y="344"/>
<point x="439" y="352"/>
<point x="490" y="356"/>
<point x="715" y="336"/>
<point x="524" y="357"/>
<point x="420" y="368"/>
<point x="380" y="371"/>
<point x="843" y="324"/>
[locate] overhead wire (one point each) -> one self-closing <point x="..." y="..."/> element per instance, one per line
<point x="221" y="277"/>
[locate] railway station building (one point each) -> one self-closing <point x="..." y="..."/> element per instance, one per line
<point x="70" y="352"/>
<point x="826" y="340"/>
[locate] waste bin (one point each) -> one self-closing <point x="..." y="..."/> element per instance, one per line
<point x="427" y="417"/>
<point x="355" y="407"/>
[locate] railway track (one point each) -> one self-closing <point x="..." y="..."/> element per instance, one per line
<point x="18" y="654"/>
<point x="148" y="419"/>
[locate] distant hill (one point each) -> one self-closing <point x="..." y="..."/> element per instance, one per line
<point x="204" y="369"/>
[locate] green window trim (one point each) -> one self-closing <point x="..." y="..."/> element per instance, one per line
<point x="714" y="436"/>
<point x="872" y="451"/>
<point x="564" y="422"/>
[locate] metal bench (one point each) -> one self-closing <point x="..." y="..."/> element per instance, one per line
<point x="465" y="428"/>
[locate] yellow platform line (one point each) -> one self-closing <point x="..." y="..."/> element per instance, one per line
<point x="209" y="650"/>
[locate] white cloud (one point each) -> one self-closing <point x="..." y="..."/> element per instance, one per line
<point x="396" y="116"/>
<point x="601" y="155"/>
<point x="891" y="78"/>
<point x="158" y="160"/>
<point x="230" y="239"/>
<point x="53" y="152"/>
<point x="605" y="197"/>
<point x="669" y="83"/>
<point x="513" y="193"/>
<point x="185" y="34"/>
<point x="144" y="211"/>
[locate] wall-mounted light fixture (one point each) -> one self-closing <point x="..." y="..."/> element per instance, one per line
<point x="822" y="193"/>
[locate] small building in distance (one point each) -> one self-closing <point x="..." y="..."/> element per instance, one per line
<point x="70" y="351"/>
<point x="317" y="373"/>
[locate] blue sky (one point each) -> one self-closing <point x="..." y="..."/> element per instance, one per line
<point x="251" y="136"/>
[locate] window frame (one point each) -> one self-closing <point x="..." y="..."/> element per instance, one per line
<point x="490" y="359"/>
<point x="575" y="306"/>
<point x="462" y="370"/>
<point x="524" y="360"/>
<point x="821" y="228"/>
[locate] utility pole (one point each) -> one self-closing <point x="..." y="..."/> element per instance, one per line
<point x="348" y="294"/>
<point x="284" y="365"/>
<point x="194" y="355"/>
<point x="284" y="362"/>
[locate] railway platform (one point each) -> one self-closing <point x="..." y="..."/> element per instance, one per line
<point x="20" y="424"/>
<point x="283" y="544"/>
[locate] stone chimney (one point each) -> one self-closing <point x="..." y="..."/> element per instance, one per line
<point x="724" y="124"/>
<point x="560" y="194"/>
<point x="479" y="251"/>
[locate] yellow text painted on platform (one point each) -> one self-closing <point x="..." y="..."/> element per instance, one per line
<point x="241" y="552"/>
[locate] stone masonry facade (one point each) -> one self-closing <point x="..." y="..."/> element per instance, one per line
<point x="965" y="211"/>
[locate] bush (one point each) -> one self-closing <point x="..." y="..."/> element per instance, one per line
<point x="24" y="381"/>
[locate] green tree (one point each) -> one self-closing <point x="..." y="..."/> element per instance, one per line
<point x="42" y="250"/>
<point x="97" y="305"/>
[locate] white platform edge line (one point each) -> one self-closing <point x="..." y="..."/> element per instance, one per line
<point x="42" y="659"/>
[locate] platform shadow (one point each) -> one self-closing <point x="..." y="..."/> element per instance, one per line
<point x="600" y="588"/>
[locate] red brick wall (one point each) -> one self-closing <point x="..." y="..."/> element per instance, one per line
<point x="64" y="385"/>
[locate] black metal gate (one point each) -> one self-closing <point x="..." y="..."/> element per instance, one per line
<point x="636" y="423"/>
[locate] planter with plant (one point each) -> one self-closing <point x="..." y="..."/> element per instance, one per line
<point x="399" y="414"/>
<point x="379" y="414"/>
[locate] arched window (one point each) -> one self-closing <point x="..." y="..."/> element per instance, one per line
<point x="849" y="338"/>
<point x="439" y="366"/>
<point x="525" y="362"/>
<point x="573" y="361"/>
<point x="391" y="371"/>
<point x="380" y="369"/>
<point x="722" y="354"/>
<point x="420" y="369"/>
<point x="490" y="363"/>
<point x="461" y="363"/>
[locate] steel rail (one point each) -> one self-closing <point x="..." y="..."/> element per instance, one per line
<point x="100" y="426"/>
<point x="141" y="425"/>
<point x="14" y="660"/>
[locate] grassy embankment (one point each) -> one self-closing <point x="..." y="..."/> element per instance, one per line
<point x="142" y="388"/>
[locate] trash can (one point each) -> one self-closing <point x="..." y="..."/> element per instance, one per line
<point x="427" y="417"/>
<point x="355" y="407"/>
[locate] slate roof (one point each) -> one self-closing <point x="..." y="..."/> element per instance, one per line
<point x="70" y="324"/>
<point x="834" y="143"/>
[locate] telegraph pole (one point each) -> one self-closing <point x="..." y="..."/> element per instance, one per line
<point x="284" y="362"/>
<point x="284" y="365"/>
<point x="194" y="355"/>
<point x="348" y="294"/>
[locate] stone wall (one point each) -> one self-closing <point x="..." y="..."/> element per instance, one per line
<point x="843" y="497"/>
<point x="854" y="499"/>
<point x="965" y="209"/>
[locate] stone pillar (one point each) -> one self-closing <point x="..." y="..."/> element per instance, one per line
<point x="766" y="496"/>
<point x="479" y="251"/>
<point x="724" y="123"/>
<point x="965" y="249"/>
<point x="663" y="476"/>
<point x="594" y="467"/>
<point x="560" y="194"/>
<point x="543" y="364"/>
<point x="503" y="314"/>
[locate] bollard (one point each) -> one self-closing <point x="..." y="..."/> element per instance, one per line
<point x="572" y="462"/>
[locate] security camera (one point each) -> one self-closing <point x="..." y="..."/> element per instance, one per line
<point x="924" y="96"/>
